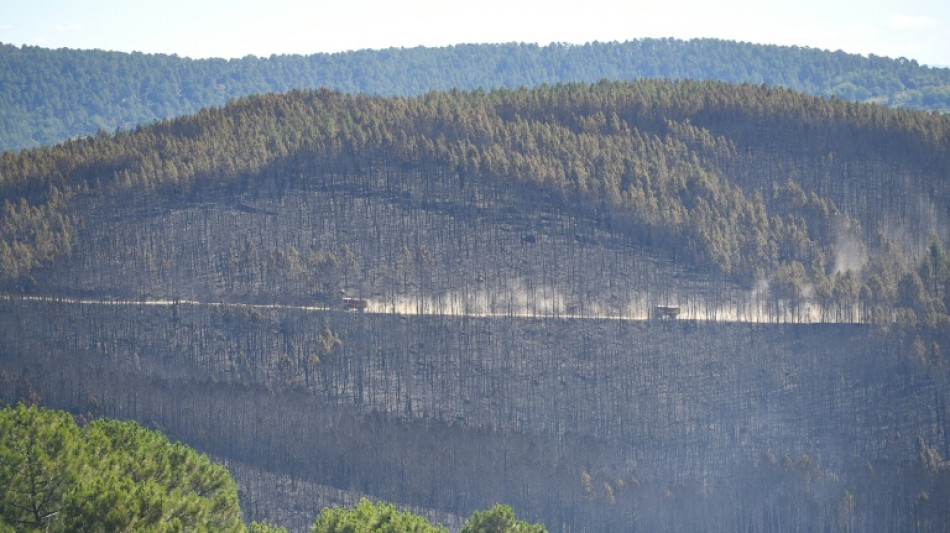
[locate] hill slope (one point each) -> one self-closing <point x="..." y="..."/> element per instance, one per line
<point x="511" y="244"/>
<point x="833" y="205"/>
<point x="50" y="95"/>
<point x="583" y="424"/>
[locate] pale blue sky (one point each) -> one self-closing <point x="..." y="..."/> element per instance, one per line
<point x="916" y="29"/>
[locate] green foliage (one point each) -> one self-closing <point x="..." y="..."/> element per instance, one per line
<point x="921" y="298"/>
<point x="53" y="95"/>
<point x="911" y="293"/>
<point x="499" y="519"/>
<point x="32" y="235"/>
<point x="264" y="527"/>
<point x="106" y="476"/>
<point x="369" y="517"/>
<point x="41" y="461"/>
<point x="934" y="271"/>
<point x="117" y="476"/>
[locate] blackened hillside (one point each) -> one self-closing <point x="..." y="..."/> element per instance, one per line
<point x="511" y="245"/>
<point x="584" y="424"/>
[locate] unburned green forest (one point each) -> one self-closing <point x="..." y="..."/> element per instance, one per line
<point x="49" y="96"/>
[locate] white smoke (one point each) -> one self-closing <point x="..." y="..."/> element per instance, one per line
<point x="850" y="253"/>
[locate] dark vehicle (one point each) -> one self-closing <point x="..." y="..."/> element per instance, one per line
<point x="354" y="304"/>
<point x="665" y="311"/>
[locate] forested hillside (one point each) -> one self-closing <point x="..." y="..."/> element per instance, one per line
<point x="47" y="96"/>
<point x="839" y="209"/>
<point x="511" y="245"/>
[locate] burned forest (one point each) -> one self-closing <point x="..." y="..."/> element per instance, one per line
<point x="647" y="306"/>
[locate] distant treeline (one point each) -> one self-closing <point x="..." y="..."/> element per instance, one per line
<point x="47" y="96"/>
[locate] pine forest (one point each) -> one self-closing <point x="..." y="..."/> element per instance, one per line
<point x="631" y="305"/>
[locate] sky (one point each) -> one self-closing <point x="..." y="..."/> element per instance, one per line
<point x="915" y="29"/>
